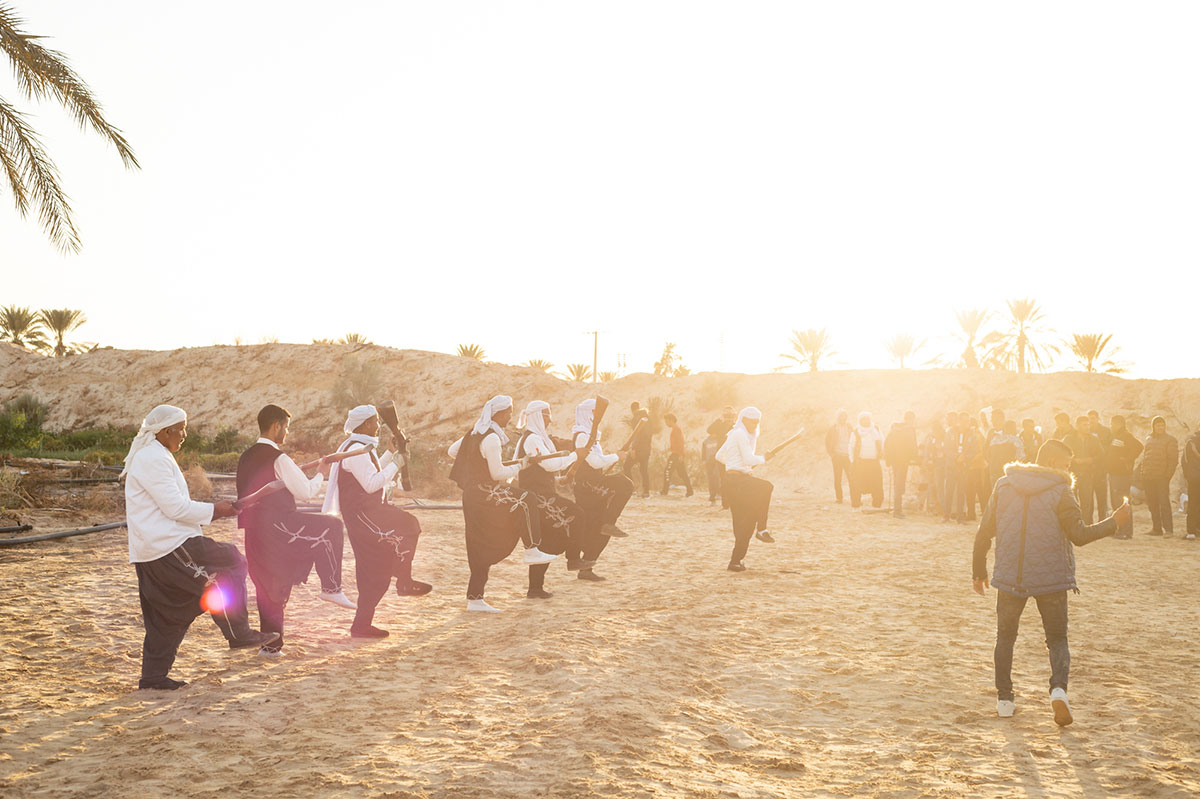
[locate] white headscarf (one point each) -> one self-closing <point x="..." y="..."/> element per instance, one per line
<point x="159" y="419"/>
<point x="749" y="412"/>
<point x="583" y="417"/>
<point x="357" y="416"/>
<point x="864" y="419"/>
<point x="533" y="420"/>
<point x="493" y="406"/>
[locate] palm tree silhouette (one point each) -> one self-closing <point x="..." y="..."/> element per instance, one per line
<point x="539" y="364"/>
<point x="579" y="372"/>
<point x="1019" y="346"/>
<point x="61" y="321"/>
<point x="472" y="351"/>
<point x="1093" y="352"/>
<point x="903" y="346"/>
<point x="353" y="338"/>
<point x="809" y="347"/>
<point x="42" y="73"/>
<point x="22" y="327"/>
<point x="970" y="322"/>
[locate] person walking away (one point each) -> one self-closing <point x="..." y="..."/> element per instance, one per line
<point x="676" y="463"/>
<point x="1036" y="522"/>
<point x="866" y="450"/>
<point x="900" y="452"/>
<point x="1159" y="458"/>
<point x="1190" y="461"/>
<point x="1123" y="452"/>
<point x="837" y="444"/>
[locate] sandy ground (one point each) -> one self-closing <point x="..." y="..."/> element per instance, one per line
<point x="851" y="660"/>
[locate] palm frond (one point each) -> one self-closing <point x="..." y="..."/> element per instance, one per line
<point x="42" y="72"/>
<point x="37" y="175"/>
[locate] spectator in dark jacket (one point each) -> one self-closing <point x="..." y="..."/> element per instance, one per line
<point x="1190" y="461"/>
<point x="1159" y="459"/>
<point x="1100" y="473"/>
<point x="837" y="444"/>
<point x="900" y="452"/>
<point x="1062" y="426"/>
<point x="716" y="470"/>
<point x="1123" y="452"/>
<point x="1036" y="521"/>
<point x="639" y="448"/>
<point x="1088" y="456"/>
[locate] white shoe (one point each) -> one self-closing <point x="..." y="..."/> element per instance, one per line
<point x="271" y="653"/>
<point x="481" y="606"/>
<point x="1062" y="708"/>
<point x="338" y="598"/>
<point x="1190" y="537"/>
<point x="1005" y="708"/>
<point x="535" y="555"/>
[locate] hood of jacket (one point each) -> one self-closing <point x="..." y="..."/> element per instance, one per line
<point x="1030" y="479"/>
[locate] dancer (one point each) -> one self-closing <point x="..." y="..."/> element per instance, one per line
<point x="283" y="544"/>
<point x="495" y="516"/>
<point x="749" y="496"/>
<point x="559" y="519"/>
<point x="1036" y="520"/>
<point x="181" y="573"/>
<point x="602" y="497"/>
<point x="383" y="537"/>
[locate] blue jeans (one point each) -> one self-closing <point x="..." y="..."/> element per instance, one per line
<point x="1053" y="609"/>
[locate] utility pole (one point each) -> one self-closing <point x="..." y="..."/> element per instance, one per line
<point x="595" y="334"/>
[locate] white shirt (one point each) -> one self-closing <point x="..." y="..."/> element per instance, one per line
<point x="596" y="457"/>
<point x="737" y="453"/>
<point x="158" y="509"/>
<point x="293" y="479"/>
<point x="490" y="449"/>
<point x="872" y="443"/>
<point x="536" y="445"/>
<point x="364" y="471"/>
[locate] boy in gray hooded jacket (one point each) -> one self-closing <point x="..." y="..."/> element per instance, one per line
<point x="1036" y="520"/>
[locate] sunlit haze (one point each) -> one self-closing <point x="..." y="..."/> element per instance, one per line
<point x="713" y="174"/>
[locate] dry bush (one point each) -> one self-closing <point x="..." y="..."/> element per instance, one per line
<point x="12" y="490"/>
<point x="103" y="499"/>
<point x="197" y="481"/>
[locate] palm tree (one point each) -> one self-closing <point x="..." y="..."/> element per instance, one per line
<point x="472" y="351"/>
<point x="579" y="372"/>
<point x="22" y="326"/>
<point x="539" y="364"/>
<point x="809" y="347"/>
<point x="42" y="73"/>
<point x="903" y="346"/>
<point x="970" y="322"/>
<point x="61" y="321"/>
<point x="1093" y="352"/>
<point x="353" y="338"/>
<point x="607" y="377"/>
<point x="1019" y="346"/>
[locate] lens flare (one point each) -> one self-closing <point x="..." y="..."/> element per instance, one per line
<point x="213" y="600"/>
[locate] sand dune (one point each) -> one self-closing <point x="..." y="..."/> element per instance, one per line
<point x="852" y="660"/>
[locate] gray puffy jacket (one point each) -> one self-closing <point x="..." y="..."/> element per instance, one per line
<point x="1035" y="518"/>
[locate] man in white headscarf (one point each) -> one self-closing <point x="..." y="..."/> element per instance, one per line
<point x="181" y="573"/>
<point x="559" y="519"/>
<point x="749" y="496"/>
<point x="866" y="450"/>
<point x="495" y="515"/>
<point x="602" y="497"/>
<point x="383" y="537"/>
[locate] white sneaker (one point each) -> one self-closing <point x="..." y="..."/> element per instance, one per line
<point x="1005" y="708"/>
<point x="1190" y="537"/>
<point x="338" y="598"/>
<point x="1062" y="708"/>
<point x="481" y="606"/>
<point x="271" y="653"/>
<point x="535" y="555"/>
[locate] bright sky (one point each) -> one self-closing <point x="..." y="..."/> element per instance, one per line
<point x="714" y="174"/>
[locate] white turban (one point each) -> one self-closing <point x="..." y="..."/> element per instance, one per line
<point x="533" y="420"/>
<point x="749" y="412"/>
<point x="159" y="419"/>
<point x="493" y="406"/>
<point x="583" y="416"/>
<point x="357" y="416"/>
<point x="864" y="419"/>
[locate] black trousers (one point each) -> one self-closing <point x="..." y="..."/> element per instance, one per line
<point x="384" y="539"/>
<point x="602" y="502"/>
<point x="749" y="503"/>
<point x="170" y="589"/>
<point x="1158" y="498"/>
<point x="1100" y="492"/>
<point x="642" y="461"/>
<point x="841" y="467"/>
<point x="676" y="466"/>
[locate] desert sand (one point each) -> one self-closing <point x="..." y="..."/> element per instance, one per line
<point x="851" y="660"/>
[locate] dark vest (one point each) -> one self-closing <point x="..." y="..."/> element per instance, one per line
<point x="535" y="478"/>
<point x="255" y="469"/>
<point x="351" y="495"/>
<point x="470" y="468"/>
<point x="585" y="471"/>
